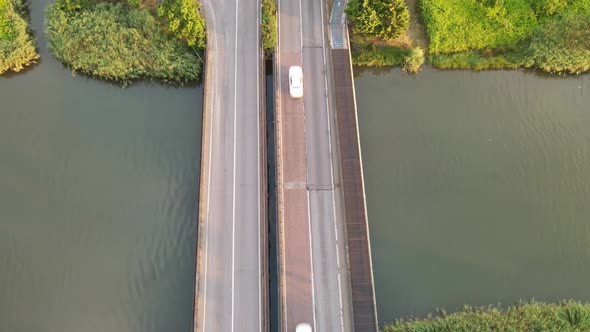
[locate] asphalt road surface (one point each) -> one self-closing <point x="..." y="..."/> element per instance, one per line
<point x="231" y="276"/>
<point x="315" y="284"/>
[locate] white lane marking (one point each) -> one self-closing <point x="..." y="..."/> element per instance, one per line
<point x="332" y="168"/>
<point x="233" y="229"/>
<point x="301" y="31"/>
<point x="214" y="49"/>
<point x="258" y="163"/>
<point x="315" y="328"/>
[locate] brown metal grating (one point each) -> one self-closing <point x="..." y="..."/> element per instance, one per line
<point x="363" y="302"/>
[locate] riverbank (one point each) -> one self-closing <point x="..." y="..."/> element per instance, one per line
<point x="17" y="45"/>
<point x="124" y="41"/>
<point x="524" y="316"/>
<point x="553" y="36"/>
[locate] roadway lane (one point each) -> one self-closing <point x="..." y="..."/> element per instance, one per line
<point x="294" y="230"/>
<point x="231" y="276"/>
<point x="330" y="272"/>
<point x="318" y="294"/>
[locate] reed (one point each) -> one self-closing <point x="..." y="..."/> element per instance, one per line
<point x="17" y="46"/>
<point x="532" y="316"/>
<point x="114" y="42"/>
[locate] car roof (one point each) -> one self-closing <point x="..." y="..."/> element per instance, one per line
<point x="303" y="327"/>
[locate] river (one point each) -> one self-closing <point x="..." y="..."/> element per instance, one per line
<point x="478" y="187"/>
<point x="98" y="201"/>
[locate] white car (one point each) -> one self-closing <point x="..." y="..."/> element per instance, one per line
<point x="296" y="82"/>
<point x="303" y="327"/>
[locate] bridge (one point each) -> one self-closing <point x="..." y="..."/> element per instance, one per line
<point x="324" y="253"/>
<point x="231" y="284"/>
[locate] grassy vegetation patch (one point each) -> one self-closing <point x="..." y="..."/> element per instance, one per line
<point x="376" y="27"/>
<point x="552" y="35"/>
<point x="17" y="46"/>
<point x="461" y="25"/>
<point x="562" y="45"/>
<point x="478" y="60"/>
<point x="269" y="24"/>
<point x="378" y="55"/>
<point x="566" y="316"/>
<point x="121" y="42"/>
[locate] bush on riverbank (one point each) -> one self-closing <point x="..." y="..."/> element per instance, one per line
<point x="184" y="20"/>
<point x="383" y="19"/>
<point x="479" y="60"/>
<point x="118" y="42"/>
<point x="531" y="316"/>
<point x="462" y="25"/>
<point x="552" y="35"/>
<point x="491" y="34"/>
<point x="269" y="24"/>
<point x="17" y="46"/>
<point x="369" y="54"/>
<point x="562" y="45"/>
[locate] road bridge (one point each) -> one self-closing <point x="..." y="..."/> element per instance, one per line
<point x="231" y="282"/>
<point x="326" y="271"/>
<point x="315" y="286"/>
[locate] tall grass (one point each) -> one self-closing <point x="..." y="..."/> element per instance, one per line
<point x="116" y="43"/>
<point x="17" y="46"/>
<point x="562" y="45"/>
<point x="478" y="60"/>
<point x="565" y="316"/>
<point x="372" y="55"/>
<point x="369" y="54"/>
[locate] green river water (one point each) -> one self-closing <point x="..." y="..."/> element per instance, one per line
<point x="478" y="187"/>
<point x="98" y="201"/>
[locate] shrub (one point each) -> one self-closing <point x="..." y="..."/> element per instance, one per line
<point x="548" y="7"/>
<point x="385" y="19"/>
<point x="134" y="3"/>
<point x="269" y="24"/>
<point x="119" y="44"/>
<point x="379" y="55"/>
<point x="531" y="316"/>
<point x="17" y="47"/>
<point x="184" y="21"/>
<point x="74" y="5"/>
<point x="413" y="60"/>
<point x="562" y="45"/>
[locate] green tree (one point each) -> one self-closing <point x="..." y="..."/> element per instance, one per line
<point x="184" y="20"/>
<point x="385" y="19"/>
